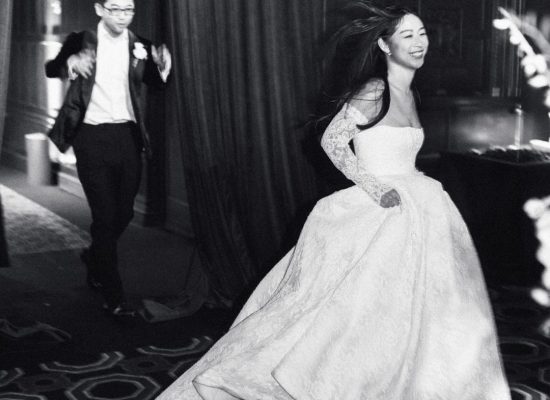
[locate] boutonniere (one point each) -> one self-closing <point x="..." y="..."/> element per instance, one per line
<point x="139" y="52"/>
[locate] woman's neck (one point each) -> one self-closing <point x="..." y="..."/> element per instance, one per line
<point x="400" y="78"/>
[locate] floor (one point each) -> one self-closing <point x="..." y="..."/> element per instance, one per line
<point x="50" y="288"/>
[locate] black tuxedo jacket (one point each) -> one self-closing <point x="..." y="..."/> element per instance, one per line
<point x="78" y="96"/>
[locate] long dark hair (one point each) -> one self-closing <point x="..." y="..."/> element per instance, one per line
<point x="354" y="57"/>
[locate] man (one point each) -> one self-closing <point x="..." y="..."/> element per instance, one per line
<point x="102" y="119"/>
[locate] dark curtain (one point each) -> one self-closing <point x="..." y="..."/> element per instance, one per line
<point x="245" y="72"/>
<point x="5" y="41"/>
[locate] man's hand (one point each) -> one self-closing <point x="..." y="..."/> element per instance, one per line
<point x="390" y="199"/>
<point x="163" y="59"/>
<point x="81" y="64"/>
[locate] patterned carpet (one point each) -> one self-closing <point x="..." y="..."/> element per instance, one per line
<point x="143" y="373"/>
<point x="140" y="375"/>
<point x="31" y="228"/>
<point x="525" y="349"/>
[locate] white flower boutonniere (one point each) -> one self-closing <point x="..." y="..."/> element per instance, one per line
<point x="139" y="52"/>
<point x="534" y="208"/>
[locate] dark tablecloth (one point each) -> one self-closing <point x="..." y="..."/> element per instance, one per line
<point x="490" y="195"/>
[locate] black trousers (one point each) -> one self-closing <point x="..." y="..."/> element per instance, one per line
<point x="108" y="160"/>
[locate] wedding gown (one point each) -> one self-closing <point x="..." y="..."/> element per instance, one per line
<point x="372" y="303"/>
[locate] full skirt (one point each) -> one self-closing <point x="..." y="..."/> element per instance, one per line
<point x="371" y="303"/>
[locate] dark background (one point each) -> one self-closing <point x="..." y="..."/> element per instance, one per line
<point x="233" y="166"/>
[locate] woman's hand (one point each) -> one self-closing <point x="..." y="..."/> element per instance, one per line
<point x="390" y="199"/>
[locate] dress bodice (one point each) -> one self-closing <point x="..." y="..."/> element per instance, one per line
<point x="388" y="150"/>
<point x="380" y="150"/>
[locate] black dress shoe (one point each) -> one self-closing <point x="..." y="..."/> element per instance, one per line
<point x="92" y="282"/>
<point x="119" y="310"/>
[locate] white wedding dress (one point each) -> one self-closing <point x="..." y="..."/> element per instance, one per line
<point x="372" y="303"/>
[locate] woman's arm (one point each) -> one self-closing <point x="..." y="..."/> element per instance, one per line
<point x="335" y="142"/>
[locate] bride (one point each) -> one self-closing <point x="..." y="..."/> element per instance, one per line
<point x="382" y="298"/>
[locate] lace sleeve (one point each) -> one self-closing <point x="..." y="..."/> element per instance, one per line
<point x="335" y="142"/>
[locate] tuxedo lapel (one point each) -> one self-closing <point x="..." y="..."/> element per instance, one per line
<point x="132" y="65"/>
<point x="132" y="72"/>
<point x="89" y="43"/>
<point x="135" y="73"/>
<point x="90" y="40"/>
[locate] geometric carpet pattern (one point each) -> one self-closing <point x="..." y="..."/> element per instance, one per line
<point x="525" y="348"/>
<point x="143" y="373"/>
<point x="31" y="228"/>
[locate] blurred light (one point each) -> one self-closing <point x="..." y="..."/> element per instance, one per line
<point x="541" y="296"/>
<point x="501" y="24"/>
<point x="538" y="81"/>
<point x="515" y="39"/>
<point x="540" y="145"/>
<point x="56" y="7"/>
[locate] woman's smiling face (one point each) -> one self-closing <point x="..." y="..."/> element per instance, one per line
<point x="409" y="43"/>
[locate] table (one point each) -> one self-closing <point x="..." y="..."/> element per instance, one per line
<point x="490" y="195"/>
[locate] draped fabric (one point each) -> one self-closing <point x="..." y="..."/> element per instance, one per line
<point x="5" y="41"/>
<point x="244" y="74"/>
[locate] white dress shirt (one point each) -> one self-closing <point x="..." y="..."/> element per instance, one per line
<point x="110" y="101"/>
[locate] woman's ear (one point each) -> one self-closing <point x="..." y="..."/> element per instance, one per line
<point x="384" y="46"/>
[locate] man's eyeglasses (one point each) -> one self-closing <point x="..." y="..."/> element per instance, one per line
<point x="117" y="12"/>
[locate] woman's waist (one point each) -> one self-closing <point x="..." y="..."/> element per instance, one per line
<point x="388" y="171"/>
<point x="385" y="165"/>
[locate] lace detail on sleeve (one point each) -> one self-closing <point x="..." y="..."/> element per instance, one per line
<point x="335" y="142"/>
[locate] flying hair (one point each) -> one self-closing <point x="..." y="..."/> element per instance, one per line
<point x="354" y="58"/>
